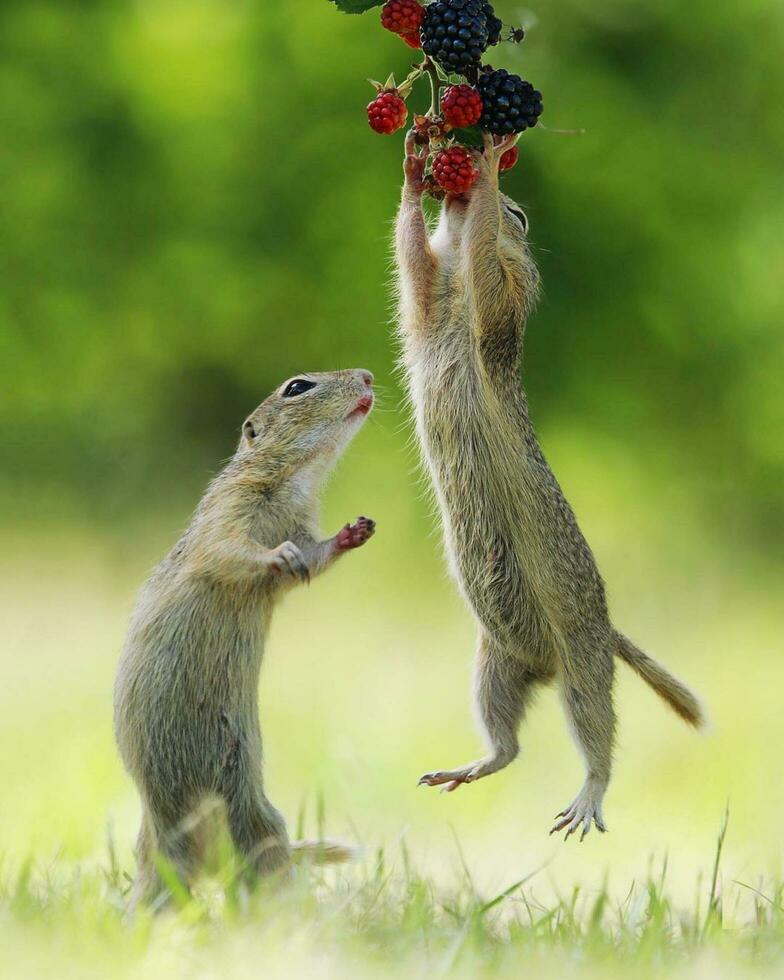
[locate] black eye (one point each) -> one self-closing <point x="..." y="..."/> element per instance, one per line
<point x="297" y="387"/>
<point x="520" y="217"/>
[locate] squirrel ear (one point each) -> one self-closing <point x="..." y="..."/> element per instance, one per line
<point x="249" y="431"/>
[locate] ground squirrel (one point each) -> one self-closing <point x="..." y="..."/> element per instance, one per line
<point x="512" y="539"/>
<point x="186" y="701"/>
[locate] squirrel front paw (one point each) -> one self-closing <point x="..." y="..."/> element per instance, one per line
<point x="356" y="534"/>
<point x="288" y="560"/>
<point x="414" y="166"/>
<point x="494" y="149"/>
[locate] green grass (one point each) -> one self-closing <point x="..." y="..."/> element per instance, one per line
<point x="382" y="918"/>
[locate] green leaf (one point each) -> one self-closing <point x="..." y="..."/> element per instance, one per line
<point x="472" y="136"/>
<point x="356" y="6"/>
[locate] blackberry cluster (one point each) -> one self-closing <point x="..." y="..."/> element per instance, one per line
<point x="494" y="25"/>
<point x="510" y="103"/>
<point x="455" y="33"/>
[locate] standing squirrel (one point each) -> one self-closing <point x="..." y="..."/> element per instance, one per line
<point x="512" y="539"/>
<point x="186" y="695"/>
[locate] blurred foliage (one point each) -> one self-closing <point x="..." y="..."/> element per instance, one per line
<point x="194" y="208"/>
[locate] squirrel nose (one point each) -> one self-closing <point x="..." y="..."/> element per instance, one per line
<point x="367" y="377"/>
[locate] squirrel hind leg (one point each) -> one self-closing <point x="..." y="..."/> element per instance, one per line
<point x="147" y="885"/>
<point x="259" y="833"/>
<point x="168" y="859"/>
<point x="503" y="689"/>
<point x="587" y="679"/>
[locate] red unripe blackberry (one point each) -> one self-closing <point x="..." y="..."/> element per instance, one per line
<point x="454" y="169"/>
<point x="508" y="159"/>
<point x="403" y="17"/>
<point x="412" y="40"/>
<point x="387" y="113"/>
<point x="461" y="106"/>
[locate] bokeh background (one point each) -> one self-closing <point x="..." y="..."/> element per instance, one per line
<point x="193" y="209"/>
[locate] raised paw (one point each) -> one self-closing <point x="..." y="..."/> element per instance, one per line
<point x="356" y="534"/>
<point x="494" y="149"/>
<point x="288" y="560"/>
<point x="584" y="811"/>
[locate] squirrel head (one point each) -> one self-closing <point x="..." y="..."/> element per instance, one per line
<point x="310" y="418"/>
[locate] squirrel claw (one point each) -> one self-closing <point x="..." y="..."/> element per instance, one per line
<point x="494" y="149"/>
<point x="289" y="560"/>
<point x="450" y="781"/>
<point x="585" y="811"/>
<point x="506" y="143"/>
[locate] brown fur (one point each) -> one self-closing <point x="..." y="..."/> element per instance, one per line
<point x="186" y="701"/>
<point x="512" y="539"/>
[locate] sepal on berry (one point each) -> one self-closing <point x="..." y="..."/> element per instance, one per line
<point x="403" y="90"/>
<point x="430" y="129"/>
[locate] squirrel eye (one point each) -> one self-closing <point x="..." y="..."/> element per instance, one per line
<point x="520" y="217"/>
<point x="297" y="387"/>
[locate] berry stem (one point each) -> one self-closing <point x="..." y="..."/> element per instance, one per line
<point x="404" y="89"/>
<point x="435" y="87"/>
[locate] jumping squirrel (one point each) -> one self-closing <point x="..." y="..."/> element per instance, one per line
<point x="512" y="539"/>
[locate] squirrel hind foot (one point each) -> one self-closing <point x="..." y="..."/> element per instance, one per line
<point x="582" y="813"/>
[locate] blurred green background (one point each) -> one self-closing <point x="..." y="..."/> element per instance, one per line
<point x="194" y="208"/>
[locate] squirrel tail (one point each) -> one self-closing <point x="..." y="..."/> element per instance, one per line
<point x="677" y="695"/>
<point x="323" y="851"/>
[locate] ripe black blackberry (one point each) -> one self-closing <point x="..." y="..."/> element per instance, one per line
<point x="454" y="33"/>
<point x="494" y="25"/>
<point x="510" y="103"/>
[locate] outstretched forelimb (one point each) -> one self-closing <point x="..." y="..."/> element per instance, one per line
<point x="498" y="270"/>
<point x="415" y="258"/>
